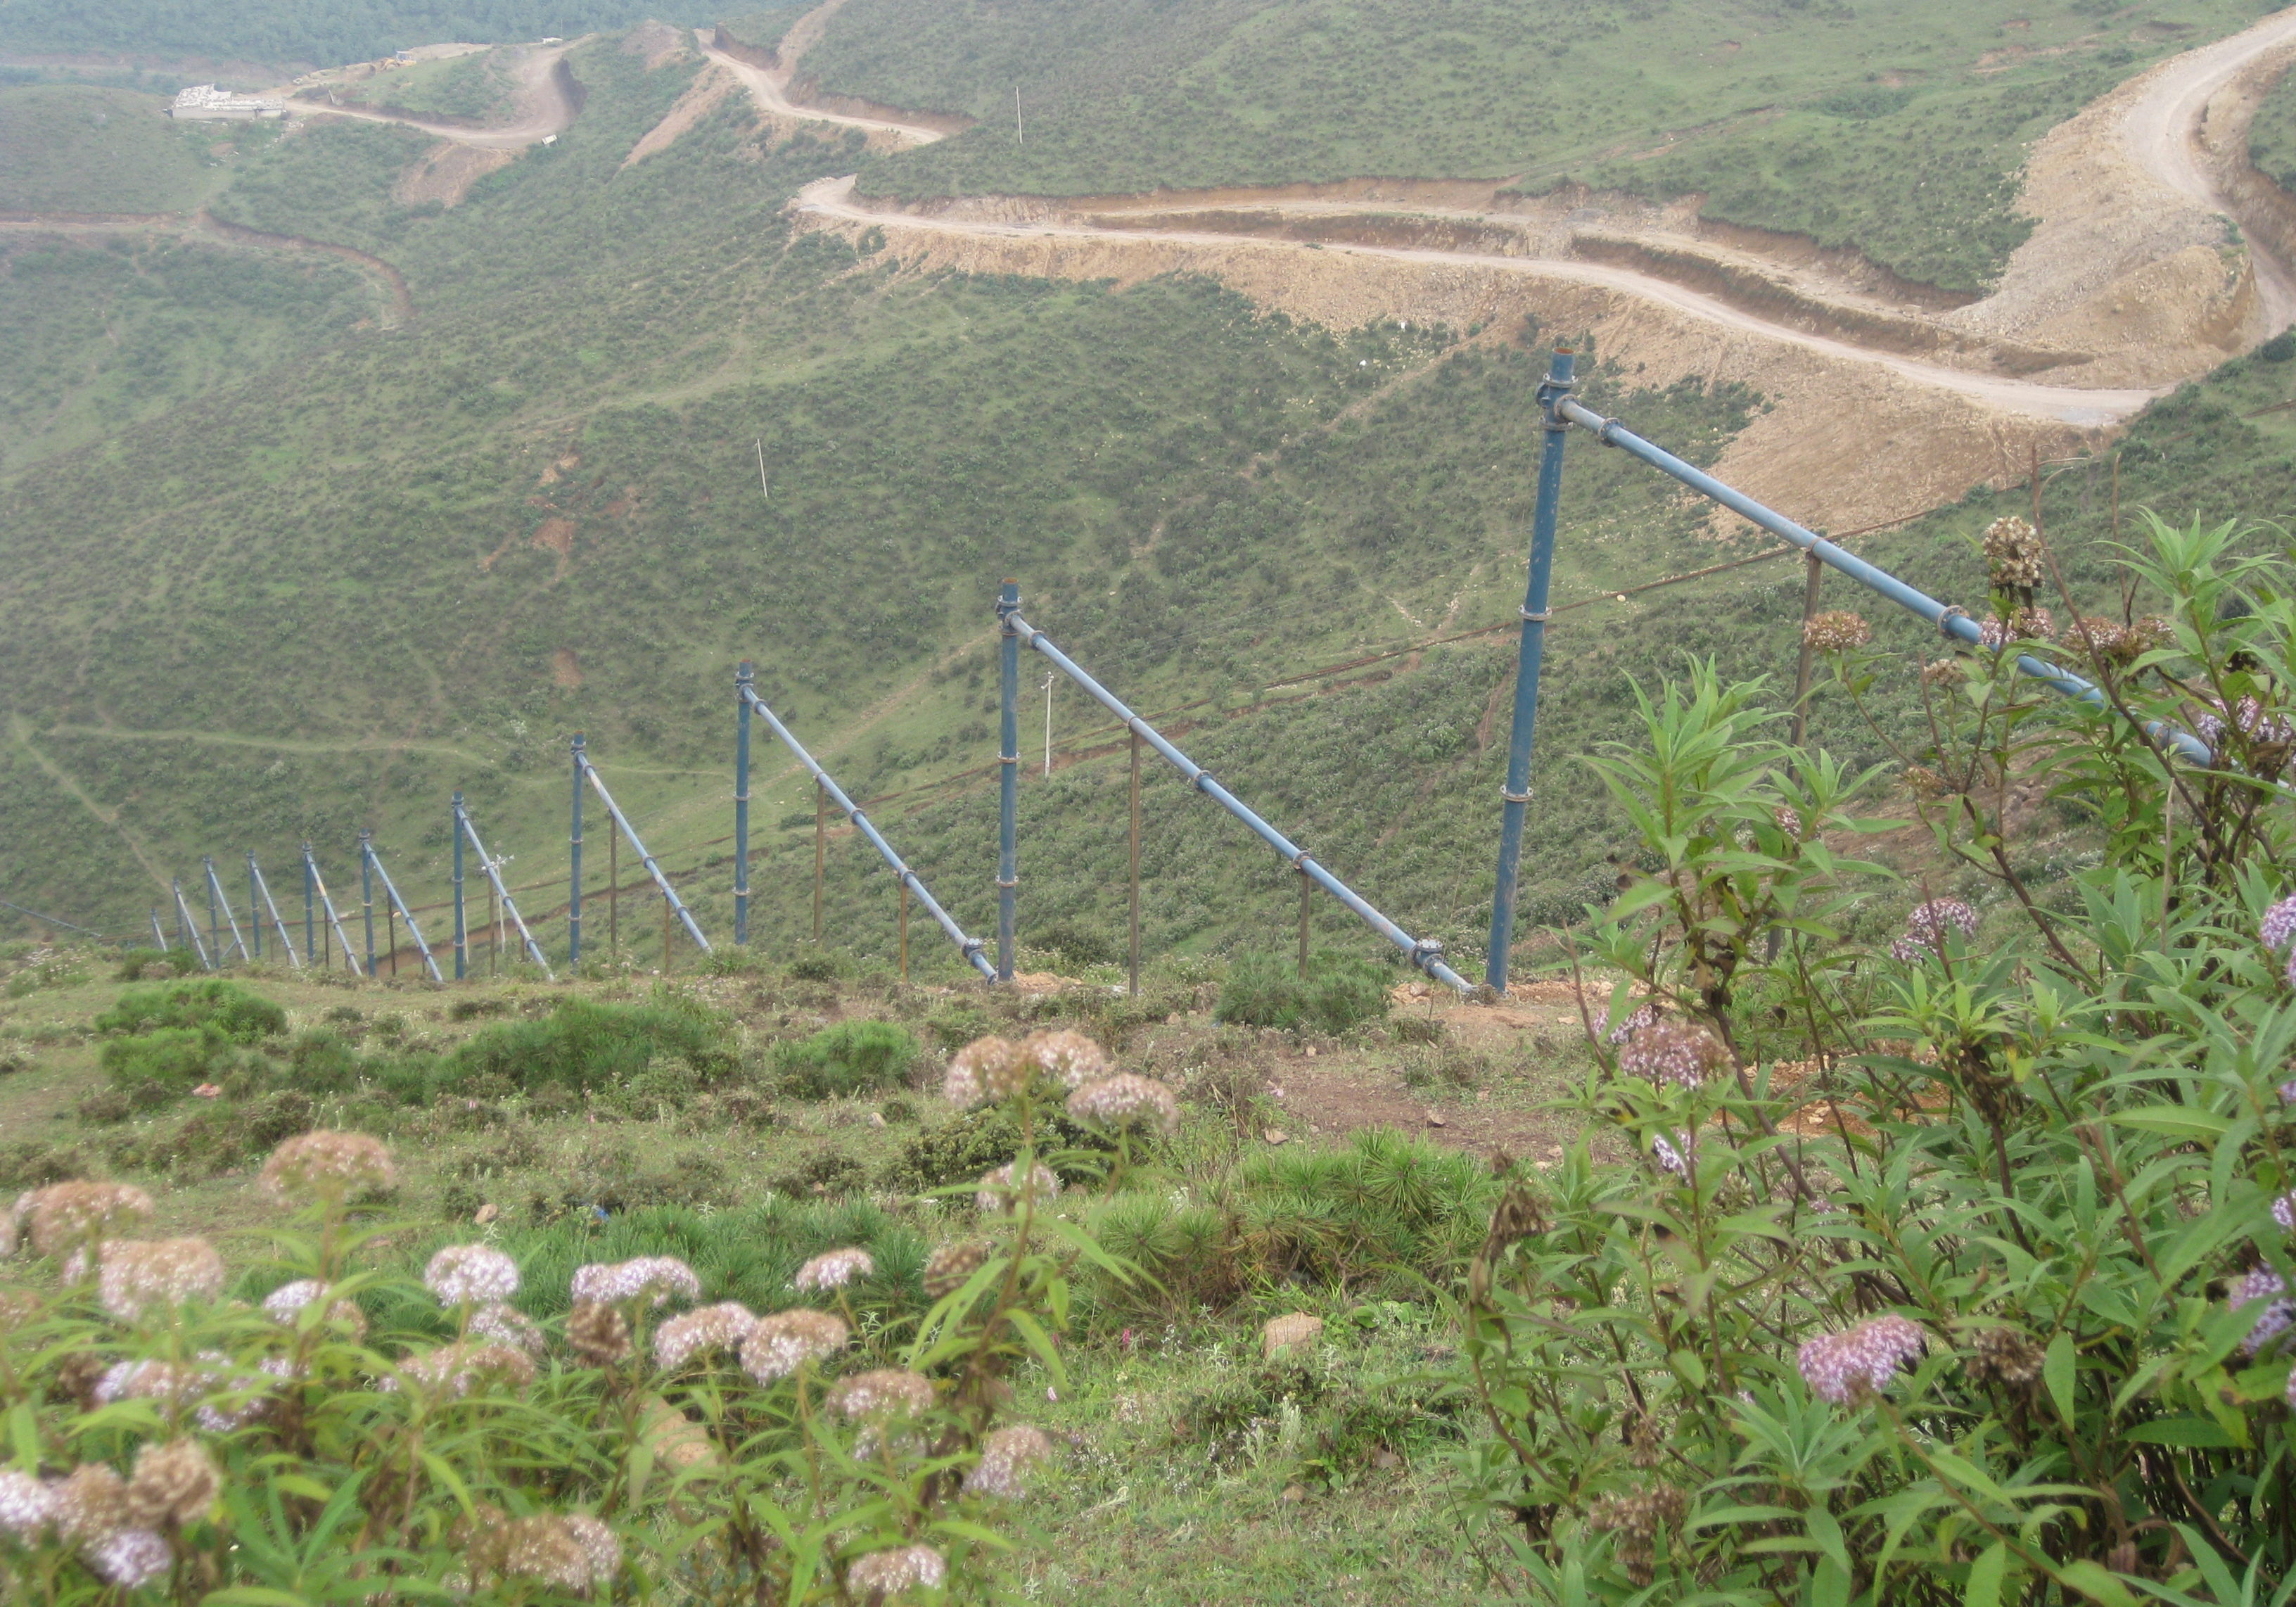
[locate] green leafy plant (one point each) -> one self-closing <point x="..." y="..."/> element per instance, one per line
<point x="851" y="1057"/>
<point x="209" y="1005"/>
<point x="1340" y="991"/>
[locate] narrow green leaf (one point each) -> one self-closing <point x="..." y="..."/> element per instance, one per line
<point x="1985" y="1576"/>
<point x="2198" y="1431"/>
<point x="2096" y="1582"/>
<point x="2057" y="1372"/>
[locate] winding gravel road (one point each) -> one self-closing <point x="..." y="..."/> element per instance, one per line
<point x="2160" y="128"/>
<point x="545" y="108"/>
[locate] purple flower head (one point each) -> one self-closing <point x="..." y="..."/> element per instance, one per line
<point x="2274" y="1317"/>
<point x="2284" y="1212"/>
<point x="2278" y="925"/>
<point x="1672" y="1051"/>
<point x="1637" y="1019"/>
<point x="1926" y="925"/>
<point x="1841" y="1368"/>
<point x="1671" y="1156"/>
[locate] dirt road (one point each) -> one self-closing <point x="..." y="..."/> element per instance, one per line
<point x="2158" y="123"/>
<point x="770" y="90"/>
<point x="545" y="107"/>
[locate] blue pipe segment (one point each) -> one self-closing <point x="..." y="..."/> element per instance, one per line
<point x="1529" y="657"/>
<point x="216" y="899"/>
<point x="745" y="681"/>
<point x="263" y="892"/>
<point x="254" y="914"/>
<point x="157" y="931"/>
<point x="684" y="915"/>
<point x="405" y="915"/>
<point x="461" y="922"/>
<point x="1951" y="621"/>
<point x="311" y="924"/>
<point x="574" y="857"/>
<point x="970" y="947"/>
<point x="366" y="892"/>
<point x="188" y="924"/>
<point x="1423" y="952"/>
<point x="492" y="868"/>
<point x="312" y="879"/>
<point x="1008" y="783"/>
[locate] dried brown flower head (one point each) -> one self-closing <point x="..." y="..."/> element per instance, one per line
<point x="1633" y="1522"/>
<point x="2004" y="1356"/>
<point x="2014" y="555"/>
<point x="174" y="1484"/>
<point x="1068" y="1058"/>
<point x="884" y="1392"/>
<point x="135" y="1275"/>
<point x="1000" y="1191"/>
<point x="949" y="1267"/>
<point x="884" y="1575"/>
<point x="782" y="1343"/>
<point x="89" y="1505"/>
<point x="1126" y="1100"/>
<point x="597" y="1334"/>
<point x="327" y="1167"/>
<point x="1837" y="630"/>
<point x="1926" y="784"/>
<point x="984" y="1071"/>
<point x="65" y="1217"/>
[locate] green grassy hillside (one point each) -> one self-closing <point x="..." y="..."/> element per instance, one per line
<point x="1794" y="116"/>
<point x="98" y="334"/>
<point x="421" y="558"/>
<point x="2272" y="136"/>
<point x="68" y="148"/>
<point x="478" y="85"/>
<point x="304" y="32"/>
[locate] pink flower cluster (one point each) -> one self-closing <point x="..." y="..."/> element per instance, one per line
<point x="2278" y="925"/>
<point x="1126" y="1100"/>
<point x="720" y="1327"/>
<point x="2274" y="1317"/>
<point x="1001" y="1192"/>
<point x="470" y="1274"/>
<point x="1841" y="1368"/>
<point x="835" y="1269"/>
<point x="654" y="1279"/>
<point x="1926" y="925"/>
<point x="782" y="1343"/>
<point x="1671" y="1051"/>
<point x="1004" y="1457"/>
<point x="882" y="1575"/>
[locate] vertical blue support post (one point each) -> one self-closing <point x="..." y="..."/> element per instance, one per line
<point x="156" y="931"/>
<point x="254" y="909"/>
<point x="1517" y="790"/>
<point x="366" y="892"/>
<point x="214" y="926"/>
<point x="462" y="929"/>
<point x="574" y="882"/>
<point x="310" y="924"/>
<point x="744" y="683"/>
<point x="1008" y="762"/>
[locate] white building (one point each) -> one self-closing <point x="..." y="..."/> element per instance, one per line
<point x="204" y="102"/>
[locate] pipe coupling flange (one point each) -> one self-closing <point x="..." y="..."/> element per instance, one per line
<point x="1952" y="610"/>
<point x="1521" y="798"/>
<point x="973" y="945"/>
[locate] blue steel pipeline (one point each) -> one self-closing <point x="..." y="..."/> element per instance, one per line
<point x="1422" y="952"/>
<point x="493" y="869"/>
<point x="1951" y="622"/>
<point x="1008" y="783"/>
<point x="406" y="914"/>
<point x="263" y="887"/>
<point x="970" y="947"/>
<point x="745" y="679"/>
<point x="685" y="916"/>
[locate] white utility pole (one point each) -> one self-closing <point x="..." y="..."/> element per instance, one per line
<point x="765" y="490"/>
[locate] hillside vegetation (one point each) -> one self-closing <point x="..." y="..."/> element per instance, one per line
<point x="312" y="33"/>
<point x="475" y="86"/>
<point x="423" y="558"/>
<point x="2272" y="136"/>
<point x="1894" y="129"/>
<point x="72" y="148"/>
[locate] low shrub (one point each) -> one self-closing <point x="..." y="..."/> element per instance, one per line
<point x="1340" y="991"/>
<point x="146" y="964"/>
<point x="585" y="1045"/>
<point x="171" y="1061"/>
<point x="827" y="1173"/>
<point x="225" y="1009"/>
<point x="956" y="1023"/>
<point x="851" y="1057"/>
<point x="961" y="1149"/>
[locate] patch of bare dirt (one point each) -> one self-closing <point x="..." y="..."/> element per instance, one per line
<point x="446" y="172"/>
<point x="566" y="670"/>
<point x="556" y="537"/>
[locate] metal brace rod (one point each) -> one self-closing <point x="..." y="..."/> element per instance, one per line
<point x="677" y="904"/>
<point x="970" y="947"/>
<point x="493" y="868"/>
<point x="327" y="903"/>
<point x="255" y="871"/>
<point x="191" y="925"/>
<point x="1422" y="952"/>
<point x="1951" y="621"/>
<point x="406" y="914"/>
<point x="215" y="893"/>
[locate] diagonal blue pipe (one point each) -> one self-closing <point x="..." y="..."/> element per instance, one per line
<point x="1951" y="621"/>
<point x="970" y="947"/>
<point x="685" y="917"/>
<point x="1422" y="953"/>
<point x="492" y="867"/>
<point x="390" y="892"/>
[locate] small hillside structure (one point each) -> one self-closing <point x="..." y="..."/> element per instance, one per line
<point x="205" y="103"/>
